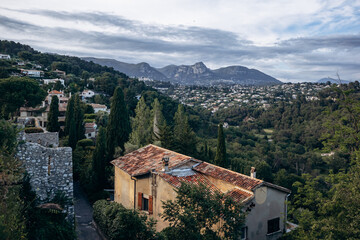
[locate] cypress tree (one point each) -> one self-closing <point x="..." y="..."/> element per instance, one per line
<point x="53" y="116"/>
<point x="79" y="118"/>
<point x="118" y="127"/>
<point x="69" y="115"/>
<point x="141" y="125"/>
<point x="99" y="160"/>
<point x="220" y="157"/>
<point x="72" y="134"/>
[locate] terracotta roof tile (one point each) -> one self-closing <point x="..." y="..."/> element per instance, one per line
<point x="239" y="195"/>
<point x="55" y="92"/>
<point x="146" y="159"/>
<point x="196" y="179"/>
<point x="229" y="176"/>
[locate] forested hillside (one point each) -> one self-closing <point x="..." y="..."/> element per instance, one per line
<point x="310" y="147"/>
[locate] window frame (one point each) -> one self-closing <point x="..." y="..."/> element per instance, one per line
<point x="273" y="225"/>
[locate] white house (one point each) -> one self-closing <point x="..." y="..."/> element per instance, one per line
<point x="5" y="56"/>
<point x="90" y="130"/>
<point x="87" y="94"/>
<point x="32" y="73"/>
<point x="47" y="81"/>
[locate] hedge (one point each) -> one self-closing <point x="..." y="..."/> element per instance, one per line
<point x="118" y="222"/>
<point x="34" y="130"/>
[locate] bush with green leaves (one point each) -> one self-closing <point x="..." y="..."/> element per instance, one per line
<point x="118" y="222"/>
<point x="197" y="209"/>
<point x="34" y="130"/>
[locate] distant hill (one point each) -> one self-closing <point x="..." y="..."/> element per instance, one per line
<point x="333" y="80"/>
<point x="133" y="70"/>
<point x="197" y="74"/>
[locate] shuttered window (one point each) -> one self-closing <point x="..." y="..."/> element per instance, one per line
<point x="140" y="197"/>
<point x="150" y="205"/>
<point x="145" y="202"/>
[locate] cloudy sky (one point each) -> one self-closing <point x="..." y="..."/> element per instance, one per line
<point x="290" y="40"/>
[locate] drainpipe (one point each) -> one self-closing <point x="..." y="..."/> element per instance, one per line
<point x="132" y="178"/>
<point x="285" y="218"/>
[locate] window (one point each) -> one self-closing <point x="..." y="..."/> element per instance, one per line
<point x="145" y="204"/>
<point x="49" y="164"/>
<point x="244" y="233"/>
<point x="273" y="225"/>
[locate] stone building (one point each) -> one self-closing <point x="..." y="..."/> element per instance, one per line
<point x="146" y="177"/>
<point x="49" y="166"/>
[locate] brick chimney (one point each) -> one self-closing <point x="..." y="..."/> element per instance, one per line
<point x="253" y="172"/>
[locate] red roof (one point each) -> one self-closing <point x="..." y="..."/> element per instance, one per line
<point x="196" y="179"/>
<point x="146" y="159"/>
<point x="229" y="176"/>
<point x="149" y="158"/>
<point x="239" y="195"/>
<point x="55" y="92"/>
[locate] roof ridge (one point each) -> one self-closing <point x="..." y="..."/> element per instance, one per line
<point x="166" y="150"/>
<point x="234" y="172"/>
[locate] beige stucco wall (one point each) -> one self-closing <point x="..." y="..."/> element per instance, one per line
<point x="124" y="188"/>
<point x="273" y="207"/>
<point x="164" y="192"/>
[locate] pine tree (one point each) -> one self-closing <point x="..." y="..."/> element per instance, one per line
<point x="118" y="127"/>
<point x="184" y="137"/>
<point x="69" y="115"/>
<point x="141" y="125"/>
<point x="220" y="157"/>
<point x="53" y="116"/>
<point x="166" y="137"/>
<point x="158" y="119"/>
<point x="99" y="160"/>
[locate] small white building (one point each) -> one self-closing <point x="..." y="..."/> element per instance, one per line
<point x="90" y="130"/>
<point x="98" y="107"/>
<point x="47" y="81"/>
<point x="32" y="73"/>
<point x="87" y="94"/>
<point x="5" y="56"/>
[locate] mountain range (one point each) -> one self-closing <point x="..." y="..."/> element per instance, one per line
<point x="196" y="74"/>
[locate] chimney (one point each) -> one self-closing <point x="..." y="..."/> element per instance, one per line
<point x="253" y="172"/>
<point x="166" y="164"/>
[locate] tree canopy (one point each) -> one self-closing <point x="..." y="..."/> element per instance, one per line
<point x="118" y="127"/>
<point x="16" y="92"/>
<point x="195" y="211"/>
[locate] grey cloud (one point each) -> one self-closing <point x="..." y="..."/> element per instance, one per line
<point x="181" y="44"/>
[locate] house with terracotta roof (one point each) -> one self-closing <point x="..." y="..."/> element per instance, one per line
<point x="146" y="177"/>
<point x="40" y="113"/>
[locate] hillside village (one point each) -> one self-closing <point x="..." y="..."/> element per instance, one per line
<point x="222" y="97"/>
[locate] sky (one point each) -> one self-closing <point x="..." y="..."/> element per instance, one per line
<point x="291" y="40"/>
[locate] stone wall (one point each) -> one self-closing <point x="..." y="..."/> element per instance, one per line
<point x="47" y="139"/>
<point x="50" y="170"/>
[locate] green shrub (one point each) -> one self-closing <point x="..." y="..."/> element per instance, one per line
<point x="117" y="222"/>
<point x="90" y="116"/>
<point x="89" y="120"/>
<point x="85" y="143"/>
<point x="34" y="130"/>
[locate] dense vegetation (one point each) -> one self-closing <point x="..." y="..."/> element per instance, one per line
<point x="310" y="147"/>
